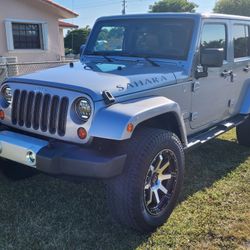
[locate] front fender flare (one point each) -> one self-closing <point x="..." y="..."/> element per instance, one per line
<point x="111" y="122"/>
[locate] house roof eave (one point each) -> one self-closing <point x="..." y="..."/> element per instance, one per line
<point x="66" y="25"/>
<point x="63" y="12"/>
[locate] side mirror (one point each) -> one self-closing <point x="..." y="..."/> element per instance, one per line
<point x="82" y="48"/>
<point x="212" y="58"/>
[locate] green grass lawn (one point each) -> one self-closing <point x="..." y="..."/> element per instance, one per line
<point x="213" y="212"/>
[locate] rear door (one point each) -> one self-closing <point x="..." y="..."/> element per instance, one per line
<point x="241" y="63"/>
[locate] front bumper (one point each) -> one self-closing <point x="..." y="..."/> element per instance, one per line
<point x="59" y="158"/>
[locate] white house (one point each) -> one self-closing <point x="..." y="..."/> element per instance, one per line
<point x="32" y="30"/>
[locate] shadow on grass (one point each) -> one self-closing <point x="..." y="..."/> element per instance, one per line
<point x="47" y="213"/>
<point x="211" y="162"/>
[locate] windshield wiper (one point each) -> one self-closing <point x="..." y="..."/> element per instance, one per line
<point x="99" y="54"/>
<point x="153" y="63"/>
<point x="146" y="58"/>
<point x="107" y="58"/>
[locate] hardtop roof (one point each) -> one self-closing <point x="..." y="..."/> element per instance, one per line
<point x="175" y="15"/>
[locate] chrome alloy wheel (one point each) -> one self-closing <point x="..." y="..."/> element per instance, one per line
<point x="160" y="182"/>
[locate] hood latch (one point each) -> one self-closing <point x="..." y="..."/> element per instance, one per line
<point x="108" y="97"/>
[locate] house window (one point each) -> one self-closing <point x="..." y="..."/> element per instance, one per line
<point x="26" y="36"/>
<point x="241" y="41"/>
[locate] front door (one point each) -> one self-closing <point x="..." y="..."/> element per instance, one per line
<point x="211" y="94"/>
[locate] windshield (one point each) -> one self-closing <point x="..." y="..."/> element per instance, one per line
<point x="156" y="38"/>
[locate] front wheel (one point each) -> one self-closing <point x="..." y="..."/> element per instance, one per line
<point x="144" y="196"/>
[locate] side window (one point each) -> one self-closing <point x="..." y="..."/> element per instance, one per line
<point x="214" y="36"/>
<point x="241" y="41"/>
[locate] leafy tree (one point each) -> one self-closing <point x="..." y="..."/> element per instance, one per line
<point x="75" y="38"/>
<point x="115" y="32"/>
<point x="110" y="39"/>
<point x="234" y="7"/>
<point x="103" y="35"/>
<point x="173" y="6"/>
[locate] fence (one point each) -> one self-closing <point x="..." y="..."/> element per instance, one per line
<point x="16" y="69"/>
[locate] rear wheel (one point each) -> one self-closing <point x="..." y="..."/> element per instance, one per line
<point x="243" y="133"/>
<point x="144" y="196"/>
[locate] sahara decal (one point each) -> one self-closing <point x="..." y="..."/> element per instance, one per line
<point x="156" y="80"/>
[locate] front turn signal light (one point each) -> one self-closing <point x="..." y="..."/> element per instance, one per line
<point x="130" y="128"/>
<point x="82" y="133"/>
<point x="2" y="115"/>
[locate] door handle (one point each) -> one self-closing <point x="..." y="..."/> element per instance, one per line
<point x="246" y="69"/>
<point x="227" y="73"/>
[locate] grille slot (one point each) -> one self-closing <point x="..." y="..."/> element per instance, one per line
<point x="37" y="113"/>
<point x="62" y="118"/>
<point x="45" y="113"/>
<point x="29" y="110"/>
<point x="53" y="114"/>
<point x="22" y="108"/>
<point x="40" y="111"/>
<point x="15" y="106"/>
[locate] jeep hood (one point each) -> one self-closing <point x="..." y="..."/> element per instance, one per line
<point x="118" y="79"/>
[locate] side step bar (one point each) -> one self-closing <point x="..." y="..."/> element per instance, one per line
<point x="219" y="129"/>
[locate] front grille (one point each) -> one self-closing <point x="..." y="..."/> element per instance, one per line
<point x="40" y="111"/>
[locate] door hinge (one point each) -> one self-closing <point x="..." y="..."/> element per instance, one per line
<point x="231" y="103"/>
<point x="196" y="86"/>
<point x="193" y="116"/>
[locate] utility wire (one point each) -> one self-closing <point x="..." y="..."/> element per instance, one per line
<point x="124" y="6"/>
<point x="96" y="6"/>
<point x="100" y="3"/>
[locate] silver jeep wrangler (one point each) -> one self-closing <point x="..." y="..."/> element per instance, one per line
<point x="147" y="88"/>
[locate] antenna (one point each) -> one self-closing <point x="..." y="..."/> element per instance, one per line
<point x="124" y="6"/>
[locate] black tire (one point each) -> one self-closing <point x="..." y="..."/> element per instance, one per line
<point x="127" y="193"/>
<point x="15" y="171"/>
<point x="243" y="133"/>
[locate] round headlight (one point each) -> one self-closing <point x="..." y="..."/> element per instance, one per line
<point x="7" y="93"/>
<point x="83" y="108"/>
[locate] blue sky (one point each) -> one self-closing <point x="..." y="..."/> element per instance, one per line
<point x="90" y="10"/>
